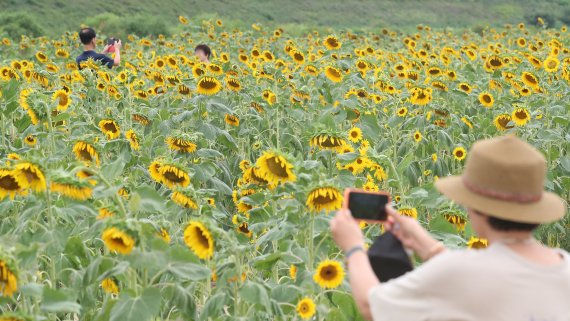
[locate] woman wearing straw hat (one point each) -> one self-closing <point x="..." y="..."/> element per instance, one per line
<point x="515" y="278"/>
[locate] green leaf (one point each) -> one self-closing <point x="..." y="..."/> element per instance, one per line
<point x="255" y="293"/>
<point x="189" y="271"/>
<point x="284" y="293"/>
<point x="150" y="200"/>
<point x="221" y="186"/>
<point x="114" y="169"/>
<point x="213" y="307"/>
<point x="56" y="301"/>
<point x="75" y="251"/>
<point x="105" y="312"/>
<point x="266" y="261"/>
<point x="137" y="308"/>
<point x="345" y="303"/>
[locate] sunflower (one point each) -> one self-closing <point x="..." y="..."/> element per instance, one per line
<point x="233" y="84"/>
<point x="402" y="112"/>
<point x="133" y="139"/>
<point x="465" y="87"/>
<point x="183" y="90"/>
<point x="408" y="211"/>
<point x="417" y="136"/>
<point x="9" y="184"/>
<point x="486" y="99"/>
<point x="530" y="80"/>
<point x="333" y="74"/>
<point x="141" y="94"/>
<point x="42" y="57"/>
<point x="105" y="213"/>
<point x="85" y="152"/>
<point x="163" y="234"/>
<point x="183" y="20"/>
<point x="520" y="116"/>
<point x="173" y="176"/>
<point x="181" y="144"/>
<point x="199" y="240"/>
<point x="329" y="274"/>
<point x="110" y="128"/>
<point x="8" y="278"/>
<point x="184" y="200"/>
<point x="477" y="243"/>
<point x="30" y="176"/>
<point x="154" y="170"/>
<point x="551" y="64"/>
<point x="502" y="121"/>
<point x="458" y="221"/>
<point x="252" y="175"/>
<point x="141" y="119"/>
<point x="243" y="228"/>
<point x="494" y="62"/>
<point x="77" y="190"/>
<point x="306" y="308"/>
<point x="459" y="153"/>
<point x="117" y="240"/>
<point x="467" y="122"/>
<point x="293" y="271"/>
<point x="231" y="120"/>
<point x="31" y="140"/>
<point x="208" y="86"/>
<point x="355" y="134"/>
<point x="332" y="43"/>
<point x="275" y="169"/>
<point x="326" y="198"/>
<point x="62" y="98"/>
<point x="110" y="286"/>
<point x="421" y="96"/>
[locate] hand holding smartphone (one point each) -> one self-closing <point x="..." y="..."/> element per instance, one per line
<point x="367" y="206"/>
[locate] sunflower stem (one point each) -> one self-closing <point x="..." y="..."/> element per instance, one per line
<point x="311" y="232"/>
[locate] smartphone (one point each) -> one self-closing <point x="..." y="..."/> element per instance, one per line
<point x="367" y="206"/>
<point x="111" y="42"/>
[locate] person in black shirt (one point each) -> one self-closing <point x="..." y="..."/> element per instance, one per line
<point x="88" y="38"/>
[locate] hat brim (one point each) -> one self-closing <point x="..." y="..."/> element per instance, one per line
<point x="550" y="208"/>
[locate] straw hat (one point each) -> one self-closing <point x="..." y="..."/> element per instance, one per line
<point x="504" y="178"/>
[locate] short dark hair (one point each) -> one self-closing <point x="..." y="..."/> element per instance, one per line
<point x="499" y="224"/>
<point x="207" y="51"/>
<point x="86" y="35"/>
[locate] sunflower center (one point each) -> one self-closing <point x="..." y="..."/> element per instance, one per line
<point x="487" y="99"/>
<point x="328" y="273"/>
<point x="8" y="182"/>
<point x="173" y="177"/>
<point x="110" y="127"/>
<point x="275" y="167"/>
<point x="521" y="114"/>
<point x="207" y="84"/>
<point x="202" y="239"/>
<point x="459" y="153"/>
<point x="333" y="72"/>
<point x="118" y="241"/>
<point x="328" y="142"/>
<point x="85" y="155"/>
<point x="30" y="175"/>
<point x="323" y="199"/>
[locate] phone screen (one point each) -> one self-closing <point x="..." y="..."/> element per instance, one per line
<point x="366" y="206"/>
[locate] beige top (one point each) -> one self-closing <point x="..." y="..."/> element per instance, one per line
<point x="494" y="284"/>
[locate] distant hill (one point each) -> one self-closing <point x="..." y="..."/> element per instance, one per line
<point x="52" y="17"/>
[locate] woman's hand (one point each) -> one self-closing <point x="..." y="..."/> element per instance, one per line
<point x="410" y="233"/>
<point x="345" y="230"/>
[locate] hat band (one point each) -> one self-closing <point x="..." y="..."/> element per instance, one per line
<point x="503" y="196"/>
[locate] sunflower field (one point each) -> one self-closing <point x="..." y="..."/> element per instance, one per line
<point x="169" y="189"/>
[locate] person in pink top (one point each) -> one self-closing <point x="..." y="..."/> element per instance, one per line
<point x="515" y="278"/>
